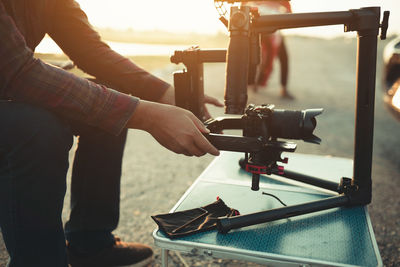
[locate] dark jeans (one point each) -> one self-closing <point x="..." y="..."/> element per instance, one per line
<point x="34" y="146"/>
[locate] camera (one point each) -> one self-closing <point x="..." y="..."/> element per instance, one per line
<point x="270" y="123"/>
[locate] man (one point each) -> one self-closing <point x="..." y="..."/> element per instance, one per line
<point x="41" y="107"/>
<point x="273" y="46"/>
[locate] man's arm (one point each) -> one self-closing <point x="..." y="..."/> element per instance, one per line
<point x="26" y="79"/>
<point x="71" y="30"/>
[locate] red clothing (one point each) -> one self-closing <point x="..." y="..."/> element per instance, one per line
<point x="272" y="7"/>
<point x="287" y="5"/>
<point x="270" y="43"/>
<point x="24" y="78"/>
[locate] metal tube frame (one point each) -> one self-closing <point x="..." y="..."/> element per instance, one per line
<point x="315" y="181"/>
<point x="356" y="191"/>
<point x="366" y="22"/>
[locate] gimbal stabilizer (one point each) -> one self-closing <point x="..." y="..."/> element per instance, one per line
<point x="262" y="125"/>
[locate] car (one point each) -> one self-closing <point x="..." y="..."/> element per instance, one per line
<point x="391" y="77"/>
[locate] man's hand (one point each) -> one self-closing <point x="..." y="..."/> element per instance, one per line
<point x="169" y="98"/>
<point x="175" y="128"/>
<point x="213" y="101"/>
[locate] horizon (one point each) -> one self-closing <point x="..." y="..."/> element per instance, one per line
<point x="156" y="47"/>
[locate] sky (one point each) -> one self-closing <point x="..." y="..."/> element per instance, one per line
<point x="200" y="15"/>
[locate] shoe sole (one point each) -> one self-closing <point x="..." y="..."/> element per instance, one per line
<point x="143" y="263"/>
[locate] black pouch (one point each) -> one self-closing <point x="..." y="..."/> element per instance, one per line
<point x="193" y="221"/>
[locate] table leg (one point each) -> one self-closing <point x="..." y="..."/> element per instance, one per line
<point x="164" y="257"/>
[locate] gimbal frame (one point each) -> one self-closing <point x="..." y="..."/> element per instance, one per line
<point x="244" y="27"/>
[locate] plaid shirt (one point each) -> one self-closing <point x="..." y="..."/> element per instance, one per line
<point x="24" y="78"/>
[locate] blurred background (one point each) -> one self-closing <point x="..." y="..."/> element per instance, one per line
<point x="199" y="15"/>
<point x="180" y="22"/>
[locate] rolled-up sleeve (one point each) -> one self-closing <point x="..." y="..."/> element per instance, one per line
<point x="71" y="30"/>
<point x="26" y="79"/>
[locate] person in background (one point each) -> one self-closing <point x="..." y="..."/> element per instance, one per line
<point x="273" y="46"/>
<point x="42" y="107"/>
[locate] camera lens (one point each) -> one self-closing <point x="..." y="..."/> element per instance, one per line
<point x="295" y="124"/>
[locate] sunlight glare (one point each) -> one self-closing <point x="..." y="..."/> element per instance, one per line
<point x="200" y="16"/>
<point x="396" y="98"/>
<point x="173" y="15"/>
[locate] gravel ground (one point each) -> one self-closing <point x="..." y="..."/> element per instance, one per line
<point x="322" y="74"/>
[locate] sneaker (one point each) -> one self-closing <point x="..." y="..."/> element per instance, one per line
<point x="119" y="254"/>
<point x="286" y="95"/>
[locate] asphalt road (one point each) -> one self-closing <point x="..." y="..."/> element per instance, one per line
<point x="322" y="74"/>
